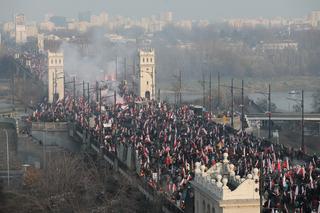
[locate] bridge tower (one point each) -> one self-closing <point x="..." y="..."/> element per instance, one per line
<point x="146" y="74"/>
<point x="55" y="76"/>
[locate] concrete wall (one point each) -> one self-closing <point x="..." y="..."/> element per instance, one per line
<point x="206" y="204"/>
<point x="203" y="204"/>
<point x="126" y="156"/>
<point x="55" y="134"/>
<point x="7" y="126"/>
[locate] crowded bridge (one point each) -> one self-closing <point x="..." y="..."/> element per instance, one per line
<point x="169" y="140"/>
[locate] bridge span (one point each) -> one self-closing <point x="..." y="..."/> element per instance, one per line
<point x="282" y="117"/>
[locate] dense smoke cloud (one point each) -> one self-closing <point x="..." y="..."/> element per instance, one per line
<point x="91" y="69"/>
<point x="82" y="67"/>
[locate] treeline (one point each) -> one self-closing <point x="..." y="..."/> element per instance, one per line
<point x="215" y="48"/>
<point x="236" y="52"/>
<point x="74" y="183"/>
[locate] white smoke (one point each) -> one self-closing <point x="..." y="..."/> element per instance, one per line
<point x="84" y="68"/>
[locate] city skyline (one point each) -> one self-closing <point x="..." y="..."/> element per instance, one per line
<point x="204" y="9"/>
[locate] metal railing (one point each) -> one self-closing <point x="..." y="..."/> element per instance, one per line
<point x="50" y="126"/>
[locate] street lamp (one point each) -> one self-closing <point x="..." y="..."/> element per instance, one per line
<point x="242" y="105"/>
<point x="269" y="110"/>
<point x="261" y="182"/>
<point x="179" y="78"/>
<point x="8" y="159"/>
<point x="301" y="101"/>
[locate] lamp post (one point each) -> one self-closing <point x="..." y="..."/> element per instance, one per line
<point x="261" y="182"/>
<point x="302" y="122"/>
<point x="100" y="123"/>
<point x="242" y="105"/>
<point x="74" y="88"/>
<point x="269" y="113"/>
<point x="8" y="157"/>
<point x="232" y="101"/>
<point x="44" y="141"/>
<point x="203" y="84"/>
<point x="56" y="77"/>
<point x="218" y="104"/>
<point x="179" y="78"/>
<point x="95" y="89"/>
<point x="210" y="93"/>
<point x="301" y="101"/>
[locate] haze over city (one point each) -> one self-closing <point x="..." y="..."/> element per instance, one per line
<point x="183" y="9"/>
<point x="160" y="106"/>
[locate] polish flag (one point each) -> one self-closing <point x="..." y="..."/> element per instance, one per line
<point x="296" y="192"/>
<point x="174" y="188"/>
<point x="283" y="180"/>
<point x="311" y="182"/>
<point x="279" y="166"/>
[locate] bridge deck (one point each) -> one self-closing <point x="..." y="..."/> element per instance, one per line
<point x="283" y="117"/>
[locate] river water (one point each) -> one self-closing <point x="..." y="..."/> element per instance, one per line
<point x="280" y="99"/>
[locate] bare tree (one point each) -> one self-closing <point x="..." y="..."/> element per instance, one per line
<point x="74" y="183"/>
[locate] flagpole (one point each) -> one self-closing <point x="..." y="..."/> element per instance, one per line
<point x="100" y="106"/>
<point x="261" y="182"/>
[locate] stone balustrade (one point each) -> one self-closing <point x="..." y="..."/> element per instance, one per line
<point x="218" y="178"/>
<point x="49" y="126"/>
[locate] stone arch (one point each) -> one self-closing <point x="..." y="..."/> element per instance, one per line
<point x="147" y="95"/>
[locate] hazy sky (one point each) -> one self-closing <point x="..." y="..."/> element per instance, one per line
<point x="189" y="9"/>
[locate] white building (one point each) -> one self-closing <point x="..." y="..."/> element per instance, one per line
<point x="40" y="42"/>
<point x="166" y="17"/>
<point x="278" y="46"/>
<point x="55" y="76"/>
<point x="20" y="29"/>
<point x="47" y="26"/>
<point x="104" y="17"/>
<point x="32" y="30"/>
<point x="21" y="34"/>
<point x="219" y="190"/>
<point x="146" y="74"/>
<point x="9" y="27"/>
<point x="314" y="18"/>
<point x="95" y="20"/>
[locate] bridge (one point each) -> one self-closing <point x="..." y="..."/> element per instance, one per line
<point x="282" y="117"/>
<point x="252" y="119"/>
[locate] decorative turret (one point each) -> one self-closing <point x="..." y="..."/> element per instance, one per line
<point x="221" y="186"/>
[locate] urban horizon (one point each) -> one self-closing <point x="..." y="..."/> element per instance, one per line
<point x="210" y="10"/>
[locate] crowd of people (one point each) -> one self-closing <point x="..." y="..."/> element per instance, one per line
<point x="36" y="62"/>
<point x="169" y="141"/>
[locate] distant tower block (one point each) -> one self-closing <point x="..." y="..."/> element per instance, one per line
<point x="40" y="42"/>
<point x="146" y="71"/>
<point x="55" y="76"/>
<point x="20" y="29"/>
